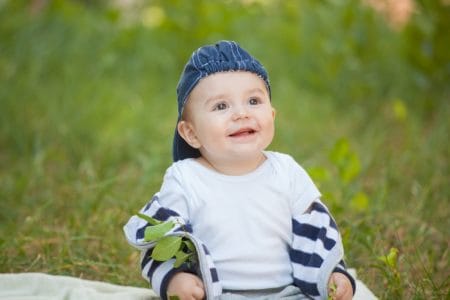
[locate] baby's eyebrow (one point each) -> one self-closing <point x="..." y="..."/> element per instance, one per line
<point x="255" y="90"/>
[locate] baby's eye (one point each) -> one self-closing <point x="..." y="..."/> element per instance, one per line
<point x="220" y="106"/>
<point x="253" y="101"/>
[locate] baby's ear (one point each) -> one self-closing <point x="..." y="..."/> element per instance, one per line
<point x="187" y="132"/>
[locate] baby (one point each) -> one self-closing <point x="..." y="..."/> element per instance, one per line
<point x="254" y="216"/>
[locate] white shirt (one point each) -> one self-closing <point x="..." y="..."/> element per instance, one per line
<point x="245" y="221"/>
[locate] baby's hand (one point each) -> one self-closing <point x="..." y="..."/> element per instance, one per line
<point x="186" y="286"/>
<point x="339" y="287"/>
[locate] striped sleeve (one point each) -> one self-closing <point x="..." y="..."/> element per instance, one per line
<point x="157" y="273"/>
<point x="316" y="250"/>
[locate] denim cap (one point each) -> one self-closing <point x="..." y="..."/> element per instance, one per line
<point x="221" y="57"/>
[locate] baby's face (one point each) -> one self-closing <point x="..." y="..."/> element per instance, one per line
<point x="230" y="116"/>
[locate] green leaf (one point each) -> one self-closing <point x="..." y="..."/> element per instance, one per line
<point x="360" y="201"/>
<point x="181" y="257"/>
<point x="189" y="245"/>
<point x="155" y="232"/>
<point x="148" y="219"/>
<point x="346" y="160"/>
<point x="166" y="248"/>
<point x="340" y="151"/>
<point x="400" y="110"/>
<point x="350" y="168"/>
<point x="333" y="289"/>
<point x="174" y="297"/>
<point x="319" y="174"/>
<point x="391" y="258"/>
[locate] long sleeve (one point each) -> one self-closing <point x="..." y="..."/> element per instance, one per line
<point x="316" y="251"/>
<point x="159" y="273"/>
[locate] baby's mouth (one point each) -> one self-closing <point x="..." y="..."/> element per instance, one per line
<point x="242" y="132"/>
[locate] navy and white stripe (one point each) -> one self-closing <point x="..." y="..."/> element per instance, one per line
<point x="159" y="273"/>
<point x="316" y="251"/>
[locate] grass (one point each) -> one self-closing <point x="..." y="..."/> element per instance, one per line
<point x="86" y="122"/>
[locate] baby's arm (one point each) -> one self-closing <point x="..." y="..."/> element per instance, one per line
<point x="186" y="286"/>
<point x="340" y="287"/>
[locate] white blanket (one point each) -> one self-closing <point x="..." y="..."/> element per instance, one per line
<point x="39" y="286"/>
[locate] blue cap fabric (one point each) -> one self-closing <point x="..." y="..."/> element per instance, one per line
<point x="220" y="57"/>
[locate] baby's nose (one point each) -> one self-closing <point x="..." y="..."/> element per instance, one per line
<point x="240" y="112"/>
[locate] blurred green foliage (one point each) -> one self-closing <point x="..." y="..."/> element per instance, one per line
<point x="87" y="112"/>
